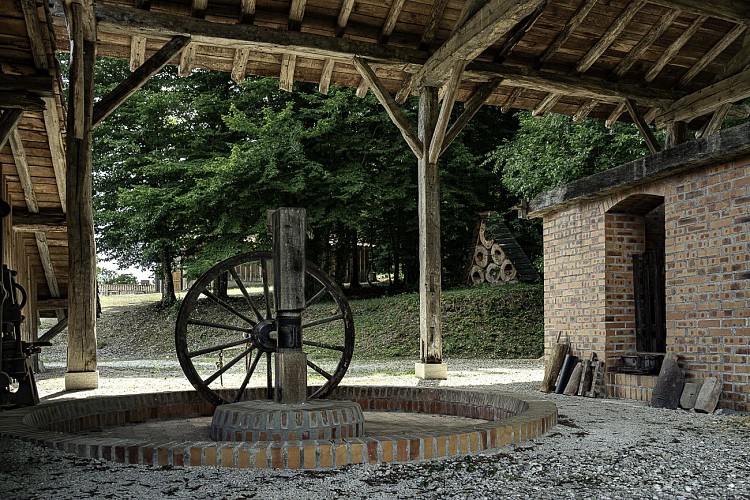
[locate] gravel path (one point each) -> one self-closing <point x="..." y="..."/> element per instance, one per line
<point x="600" y="449"/>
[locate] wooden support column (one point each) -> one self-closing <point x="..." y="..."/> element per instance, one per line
<point x="675" y="133"/>
<point x="431" y="364"/>
<point x="82" y="372"/>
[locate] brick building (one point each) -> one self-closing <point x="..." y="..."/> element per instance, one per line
<point x="683" y="216"/>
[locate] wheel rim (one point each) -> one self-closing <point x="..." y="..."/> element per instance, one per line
<point x="225" y="344"/>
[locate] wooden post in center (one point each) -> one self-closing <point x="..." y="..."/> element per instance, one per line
<point x="289" y="230"/>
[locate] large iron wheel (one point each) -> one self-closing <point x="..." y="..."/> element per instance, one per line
<point x="225" y="332"/>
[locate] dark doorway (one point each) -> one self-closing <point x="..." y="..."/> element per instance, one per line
<point x="650" y="302"/>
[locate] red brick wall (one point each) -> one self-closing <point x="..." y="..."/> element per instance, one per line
<point x="588" y="275"/>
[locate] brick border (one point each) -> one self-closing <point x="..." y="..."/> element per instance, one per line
<point x="512" y="419"/>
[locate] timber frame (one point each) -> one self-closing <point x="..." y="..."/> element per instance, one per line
<point x="677" y="64"/>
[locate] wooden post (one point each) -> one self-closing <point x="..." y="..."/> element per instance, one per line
<point x="82" y="372"/>
<point x="288" y="227"/>
<point x="431" y="364"/>
<point x="675" y="133"/>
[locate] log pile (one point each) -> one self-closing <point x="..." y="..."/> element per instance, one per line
<point x="497" y="257"/>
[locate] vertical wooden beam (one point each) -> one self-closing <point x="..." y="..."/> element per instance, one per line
<point x="137" y="51"/>
<point x="198" y="9"/>
<point x="82" y="372"/>
<point x="325" y="76"/>
<point x="187" y="60"/>
<point x="390" y="21"/>
<point x="673" y="49"/>
<point x="296" y="13"/>
<point x="643" y="128"/>
<point x="239" y="65"/>
<point x="362" y="89"/>
<point x="428" y="208"/>
<point x="286" y="78"/>
<point x="675" y="133"/>
<point x="343" y="19"/>
<point x="247" y="12"/>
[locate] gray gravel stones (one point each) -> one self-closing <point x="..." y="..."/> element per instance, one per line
<point x="600" y="449"/>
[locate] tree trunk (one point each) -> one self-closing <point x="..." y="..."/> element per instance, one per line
<point x="221" y="286"/>
<point x="168" y="297"/>
<point x="396" y="264"/>
<point x="354" y="278"/>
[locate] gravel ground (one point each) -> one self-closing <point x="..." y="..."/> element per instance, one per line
<point x="600" y="449"/>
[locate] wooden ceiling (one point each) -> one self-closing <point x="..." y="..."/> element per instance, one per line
<point x="576" y="57"/>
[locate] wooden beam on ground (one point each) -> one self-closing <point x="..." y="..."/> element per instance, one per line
<point x="430" y="29"/>
<point x="394" y="112"/>
<point x="449" y="100"/>
<point x="518" y="32"/>
<point x="729" y="10"/>
<point x="470" y="109"/>
<point x="674" y="48"/>
<point x="22" y="167"/>
<point x="642" y="46"/>
<point x="325" y="76"/>
<point x="585" y="109"/>
<point x="390" y="21"/>
<point x="247" y="12"/>
<point x="239" y="64"/>
<point x="609" y="36"/>
<point x="8" y="121"/>
<point x="709" y="56"/>
<point x="643" y="128"/>
<point x="296" y="14"/>
<point x="615" y="115"/>
<point x="187" y="60"/>
<point x="82" y="30"/>
<point x="286" y="78"/>
<point x="545" y="105"/>
<point x="708" y="99"/>
<point x="511" y="100"/>
<point x="138" y="78"/>
<point x="568" y="30"/>
<point x="491" y="22"/>
<point x="53" y="332"/>
<point x="343" y="19"/>
<point x="137" y="51"/>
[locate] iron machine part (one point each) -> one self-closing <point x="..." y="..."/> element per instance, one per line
<point x="230" y="311"/>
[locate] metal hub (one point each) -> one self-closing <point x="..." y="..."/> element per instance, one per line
<point x="264" y="336"/>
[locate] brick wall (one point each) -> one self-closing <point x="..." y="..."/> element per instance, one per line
<point x="588" y="274"/>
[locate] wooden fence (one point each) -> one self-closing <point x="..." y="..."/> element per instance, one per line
<point x="116" y="289"/>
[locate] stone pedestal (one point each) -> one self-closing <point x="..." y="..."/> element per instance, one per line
<point x="272" y="421"/>
<point x="431" y="371"/>
<point x="81" y="381"/>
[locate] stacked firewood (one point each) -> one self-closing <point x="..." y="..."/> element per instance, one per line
<point x="490" y="264"/>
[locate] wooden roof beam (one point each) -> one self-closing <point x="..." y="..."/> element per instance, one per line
<point x="187" y="60"/>
<point x="511" y="100"/>
<point x="545" y="105"/>
<point x="585" y="109"/>
<point x="137" y="51"/>
<point x="343" y="19"/>
<point x="239" y="64"/>
<point x="139" y="77"/>
<point x="568" y="30"/>
<point x="34" y="29"/>
<point x="615" y="115"/>
<point x="430" y="29"/>
<point x="296" y="14"/>
<point x="518" y="32"/>
<point x="8" y="121"/>
<point x="709" y="56"/>
<point x="247" y="12"/>
<point x="729" y="10"/>
<point x="46" y="259"/>
<point x="446" y="108"/>
<point x="491" y="22"/>
<point x="609" y="36"/>
<point x="394" y="112"/>
<point x="642" y="126"/>
<point x="390" y="21"/>
<point x="325" y="76"/>
<point x="674" y="48"/>
<point x="198" y="8"/>
<point x="642" y="46"/>
<point x="37" y="85"/>
<point x="708" y="99"/>
<point x="286" y="78"/>
<point x="471" y="107"/>
<point x="54" y="127"/>
<point x="25" y="221"/>
<point x="362" y="89"/>
<point x="22" y="167"/>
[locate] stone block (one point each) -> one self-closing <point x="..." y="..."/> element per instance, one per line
<point x="669" y="385"/>
<point x="690" y="394"/>
<point x="709" y="395"/>
<point x="431" y="371"/>
<point x="81" y="381"/>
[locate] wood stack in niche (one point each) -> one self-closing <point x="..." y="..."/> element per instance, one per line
<point x="497" y="257"/>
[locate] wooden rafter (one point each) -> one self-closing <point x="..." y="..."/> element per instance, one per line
<point x="709" y="56"/>
<point x="390" y="21"/>
<point x="34" y="29"/>
<point x="436" y="15"/>
<point x="8" y="121"/>
<point x="198" y="8"/>
<point x="518" y="32"/>
<point x="441" y="126"/>
<point x="247" y="12"/>
<point x="325" y="76"/>
<point x="139" y="77"/>
<point x="511" y="100"/>
<point x="22" y="167"/>
<point x="615" y="115"/>
<point x="585" y="109"/>
<point x="642" y="126"/>
<point x="714" y="124"/>
<point x="25" y="221"/>
<point x="239" y="64"/>
<point x="391" y="107"/>
<point x="296" y="14"/>
<point x="21" y="100"/>
<point x="471" y="107"/>
<point x="54" y="128"/>
<point x="286" y="78"/>
<point x="187" y="60"/>
<point x="470" y="8"/>
<point x="609" y="36"/>
<point x="674" y="48"/>
<point x="343" y="19"/>
<point x="729" y="10"/>
<point x="491" y="22"/>
<point x="49" y="271"/>
<point x="708" y="99"/>
<point x="36" y="85"/>
<point x="137" y="51"/>
<point x="362" y="88"/>
<point x="545" y="105"/>
<point x="642" y="46"/>
<point x="570" y="27"/>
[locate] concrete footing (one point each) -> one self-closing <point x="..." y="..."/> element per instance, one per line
<point x="431" y="371"/>
<point x="81" y="381"/>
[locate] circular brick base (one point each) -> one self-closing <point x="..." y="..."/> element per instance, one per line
<point x="272" y="421"/>
<point x="509" y="419"/>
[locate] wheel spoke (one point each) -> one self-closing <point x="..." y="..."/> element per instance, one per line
<point x="318" y="369"/>
<point x="192" y="354"/>
<point x="227" y="306"/>
<point x="269" y="377"/>
<point x="228" y="366"/>
<point x="247" y="377"/>
<point x="323" y="321"/>
<point x="223" y="326"/>
<point x="316" y="297"/>
<point x="324" y="346"/>
<point x="266" y="294"/>
<point x="249" y="300"/>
